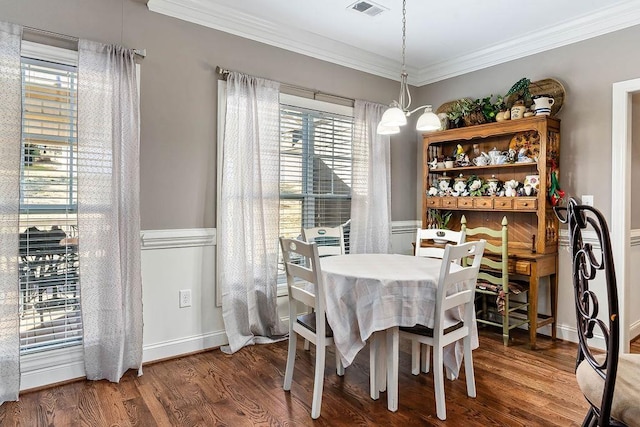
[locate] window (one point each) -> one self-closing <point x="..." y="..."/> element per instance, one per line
<point x="315" y="165"/>
<point x="49" y="270"/>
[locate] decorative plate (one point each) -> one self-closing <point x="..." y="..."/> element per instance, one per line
<point x="530" y="140"/>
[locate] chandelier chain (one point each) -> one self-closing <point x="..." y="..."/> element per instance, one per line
<point x="398" y="111"/>
<point x="404" y="31"/>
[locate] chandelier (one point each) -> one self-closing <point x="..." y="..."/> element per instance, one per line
<point x="398" y="111"/>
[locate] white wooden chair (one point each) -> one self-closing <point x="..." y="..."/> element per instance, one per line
<point x="432" y="236"/>
<point x="330" y="240"/>
<point x="456" y="290"/>
<point x="305" y="285"/>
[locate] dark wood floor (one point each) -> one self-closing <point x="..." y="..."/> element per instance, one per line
<point x="516" y="387"/>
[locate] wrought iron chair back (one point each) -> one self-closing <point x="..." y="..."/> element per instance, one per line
<point x="588" y="262"/>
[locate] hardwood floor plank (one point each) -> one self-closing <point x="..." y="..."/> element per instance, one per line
<point x="516" y="386"/>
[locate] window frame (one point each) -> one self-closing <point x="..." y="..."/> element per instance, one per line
<point x="37" y="54"/>
<point x="307" y="195"/>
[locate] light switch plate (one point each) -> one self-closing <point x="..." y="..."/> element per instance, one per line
<point x="587" y="200"/>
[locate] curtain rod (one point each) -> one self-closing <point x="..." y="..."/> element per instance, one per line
<point x="140" y="52"/>
<point x="223" y="73"/>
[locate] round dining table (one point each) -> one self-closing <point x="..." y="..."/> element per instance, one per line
<point x="370" y="293"/>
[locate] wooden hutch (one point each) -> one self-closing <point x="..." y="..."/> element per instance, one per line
<point x="533" y="226"/>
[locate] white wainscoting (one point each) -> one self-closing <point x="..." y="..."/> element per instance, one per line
<point x="174" y="260"/>
<point x="566" y="322"/>
<point x="185" y="259"/>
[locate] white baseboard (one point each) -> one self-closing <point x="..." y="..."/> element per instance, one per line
<point x="634" y="329"/>
<point x="567" y="333"/>
<point x="51" y="367"/>
<point x="185" y="345"/>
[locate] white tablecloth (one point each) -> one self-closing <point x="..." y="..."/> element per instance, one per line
<point x="373" y="292"/>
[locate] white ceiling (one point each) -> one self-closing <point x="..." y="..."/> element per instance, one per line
<point x="444" y="38"/>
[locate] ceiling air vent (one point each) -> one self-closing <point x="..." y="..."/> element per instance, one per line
<point x="367" y="7"/>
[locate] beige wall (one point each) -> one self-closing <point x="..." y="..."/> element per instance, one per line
<point x="178" y="101"/>
<point x="178" y="98"/>
<point x="587" y="70"/>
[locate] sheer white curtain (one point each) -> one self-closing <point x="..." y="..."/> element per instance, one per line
<point x="249" y="210"/>
<point x="371" y="191"/>
<point x="10" y="126"/>
<point x="109" y="210"/>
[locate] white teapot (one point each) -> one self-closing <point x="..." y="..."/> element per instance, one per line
<point x="497" y="157"/>
<point x="482" y="160"/>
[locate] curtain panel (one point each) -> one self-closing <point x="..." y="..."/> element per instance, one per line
<point x="109" y="210"/>
<point x="10" y="128"/>
<point x="371" y="191"/>
<point x="249" y="211"/>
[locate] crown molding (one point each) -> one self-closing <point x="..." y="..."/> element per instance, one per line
<point x="616" y="17"/>
<point x="607" y="20"/>
<point x="306" y="43"/>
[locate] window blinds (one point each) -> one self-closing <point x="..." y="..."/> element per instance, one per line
<point x="49" y="265"/>
<point x="315" y="169"/>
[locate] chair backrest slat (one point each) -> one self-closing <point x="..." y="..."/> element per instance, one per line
<point x="330" y="240"/>
<point x="495" y="263"/>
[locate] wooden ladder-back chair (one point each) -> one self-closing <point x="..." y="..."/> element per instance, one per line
<point x="494" y="281"/>
<point x="610" y="381"/>
<point x="456" y="290"/>
<point x="305" y="285"/>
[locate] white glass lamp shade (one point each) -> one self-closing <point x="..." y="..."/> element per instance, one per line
<point x="428" y="121"/>
<point x="387" y="130"/>
<point x="394" y="116"/>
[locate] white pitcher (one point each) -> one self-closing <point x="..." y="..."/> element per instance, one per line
<point x="543" y="104"/>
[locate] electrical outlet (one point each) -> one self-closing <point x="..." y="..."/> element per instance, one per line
<point x="587" y="200"/>
<point x="185" y="298"/>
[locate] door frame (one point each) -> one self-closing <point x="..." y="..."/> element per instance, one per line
<point x="621" y="146"/>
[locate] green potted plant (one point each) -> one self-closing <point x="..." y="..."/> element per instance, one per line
<point x="519" y="93"/>
<point x="491" y="108"/>
<point x="472" y="112"/>
<point x="440" y="218"/>
<point x="455" y="115"/>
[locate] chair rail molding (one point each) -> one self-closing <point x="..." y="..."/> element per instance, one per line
<point x="402" y="227"/>
<point x="177" y="238"/>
